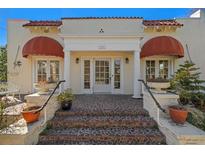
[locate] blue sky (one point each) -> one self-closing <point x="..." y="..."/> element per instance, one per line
<point x="56" y="14"/>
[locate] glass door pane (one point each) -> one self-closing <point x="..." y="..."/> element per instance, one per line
<point x="150" y="69"/>
<point x="41" y="70"/>
<point x="54" y="71"/>
<point x="117" y="68"/>
<point x="86" y="74"/>
<point x="163" y="69"/>
<point x="102" y="72"/>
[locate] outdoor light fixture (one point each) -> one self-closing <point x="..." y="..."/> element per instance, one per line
<point x="17" y="63"/>
<point x="127" y="60"/>
<point x="77" y="60"/>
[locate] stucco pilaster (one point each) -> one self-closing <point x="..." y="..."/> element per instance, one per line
<point x="136" y="72"/>
<point x="67" y="69"/>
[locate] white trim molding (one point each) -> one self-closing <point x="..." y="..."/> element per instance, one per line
<point x="101" y="44"/>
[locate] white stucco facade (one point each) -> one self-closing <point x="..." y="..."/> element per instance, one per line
<point x="113" y="44"/>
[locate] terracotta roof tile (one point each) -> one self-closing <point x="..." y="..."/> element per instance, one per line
<point x="43" y="23"/>
<point x="145" y="22"/>
<point x="102" y="18"/>
<point x="161" y="23"/>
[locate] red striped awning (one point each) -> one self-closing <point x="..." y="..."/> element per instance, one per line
<point x="162" y="45"/>
<point x="43" y="46"/>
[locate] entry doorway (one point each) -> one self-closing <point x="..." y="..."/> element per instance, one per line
<point x="102" y="75"/>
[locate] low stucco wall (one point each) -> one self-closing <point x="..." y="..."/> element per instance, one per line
<point x="164" y="100"/>
<point x="175" y="134"/>
<point x="21" y="133"/>
<point x="39" y="100"/>
<point x="181" y="134"/>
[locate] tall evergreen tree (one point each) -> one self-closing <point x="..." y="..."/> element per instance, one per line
<point x="188" y="84"/>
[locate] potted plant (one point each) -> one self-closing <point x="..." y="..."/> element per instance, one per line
<point x="66" y="98"/>
<point x="158" y="84"/>
<point x="30" y="115"/>
<point x="187" y="84"/>
<point x="178" y="114"/>
<point x="51" y="84"/>
<point x="41" y="87"/>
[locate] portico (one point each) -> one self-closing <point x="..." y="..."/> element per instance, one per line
<point x="99" y="64"/>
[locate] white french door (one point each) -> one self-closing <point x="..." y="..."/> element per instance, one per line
<point x="101" y="75"/>
<point x="117" y="73"/>
<point x="87" y="76"/>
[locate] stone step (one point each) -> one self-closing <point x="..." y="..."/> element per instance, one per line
<point x="102" y="121"/>
<point x="102" y="136"/>
<point x="102" y="113"/>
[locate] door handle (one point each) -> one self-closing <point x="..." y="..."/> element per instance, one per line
<point x="111" y="77"/>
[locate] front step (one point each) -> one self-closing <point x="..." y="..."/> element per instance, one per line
<point x="103" y="113"/>
<point x="117" y="135"/>
<point x="102" y="121"/>
<point x="102" y="127"/>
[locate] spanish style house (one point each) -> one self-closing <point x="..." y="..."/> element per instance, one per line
<point x="102" y="54"/>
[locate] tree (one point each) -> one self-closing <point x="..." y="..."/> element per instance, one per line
<point x="3" y="64"/>
<point x="188" y="84"/>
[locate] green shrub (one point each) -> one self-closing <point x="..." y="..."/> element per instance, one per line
<point x="2" y="108"/>
<point x="65" y="96"/>
<point x="196" y="118"/>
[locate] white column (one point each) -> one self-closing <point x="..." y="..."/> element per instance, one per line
<point x="67" y="69"/>
<point x="137" y="84"/>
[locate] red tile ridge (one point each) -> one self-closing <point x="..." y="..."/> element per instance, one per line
<point x="167" y="22"/>
<point x="43" y="23"/>
<point x="109" y="17"/>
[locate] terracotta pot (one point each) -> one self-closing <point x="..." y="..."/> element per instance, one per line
<point x="178" y="114"/>
<point x="29" y="114"/>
